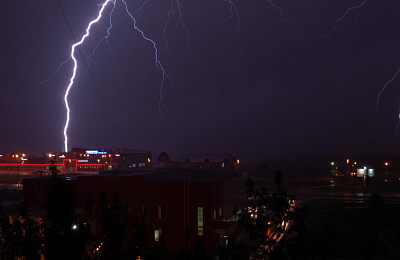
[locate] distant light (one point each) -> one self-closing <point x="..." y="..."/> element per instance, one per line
<point x="237" y="160"/>
<point x="83" y="160"/>
<point x="386" y="163"/>
<point x="118" y="155"/>
<point x="98" y="160"/>
<point x="365" y="168"/>
<point x="23" y="155"/>
<point x="348" y="160"/>
<point x="74" y="227"/>
<point x="61" y="156"/>
<point x="332" y="163"/>
<point x="148" y="159"/>
<point x="16" y="155"/>
<point x="95" y="152"/>
<point x="355" y="163"/>
<point x="23" y="159"/>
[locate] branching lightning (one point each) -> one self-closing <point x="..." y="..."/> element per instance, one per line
<point x="380" y="93"/>
<point x="282" y="16"/>
<point x="75" y="62"/>
<point x="55" y="73"/>
<point x="105" y="38"/>
<point x="337" y="21"/>
<point x="156" y="60"/>
<point x="348" y="34"/>
<point x="171" y="13"/>
<point x="175" y="18"/>
<point x="397" y="127"/>
<point x="234" y="16"/>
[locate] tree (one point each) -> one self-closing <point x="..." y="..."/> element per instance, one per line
<point x="275" y="227"/>
<point x="124" y="231"/>
<point x="20" y="235"/>
<point x="66" y="233"/>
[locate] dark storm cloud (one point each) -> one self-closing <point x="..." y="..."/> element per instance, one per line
<point x="299" y="85"/>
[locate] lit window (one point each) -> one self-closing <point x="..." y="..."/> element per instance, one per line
<point x="134" y="165"/>
<point x="157" y="234"/>
<point x="220" y="211"/>
<point x="200" y="222"/>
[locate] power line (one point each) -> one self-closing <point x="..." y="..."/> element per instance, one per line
<point x="22" y="142"/>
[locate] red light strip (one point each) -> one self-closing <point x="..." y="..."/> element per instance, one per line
<point x="28" y="164"/>
<point x="46" y="164"/>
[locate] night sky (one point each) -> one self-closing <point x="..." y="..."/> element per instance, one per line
<point x="260" y="84"/>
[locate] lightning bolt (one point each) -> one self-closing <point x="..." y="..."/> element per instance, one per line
<point x="89" y="26"/>
<point x="55" y="73"/>
<point x="75" y="67"/>
<point x="397" y="127"/>
<point x="171" y="12"/>
<point x="348" y="35"/>
<point x="380" y="93"/>
<point x="156" y="60"/>
<point x="105" y="38"/>
<point x="234" y="16"/>
<point x="337" y="21"/>
<point x="283" y="17"/>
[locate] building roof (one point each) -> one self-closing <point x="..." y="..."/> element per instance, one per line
<point x="209" y="158"/>
<point x="179" y="175"/>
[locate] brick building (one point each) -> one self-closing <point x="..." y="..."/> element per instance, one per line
<point x="192" y="205"/>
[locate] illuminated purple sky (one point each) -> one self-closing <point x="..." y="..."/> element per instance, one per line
<point x="301" y="85"/>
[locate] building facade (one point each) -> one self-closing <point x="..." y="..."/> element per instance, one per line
<point x="79" y="160"/>
<point x="188" y="206"/>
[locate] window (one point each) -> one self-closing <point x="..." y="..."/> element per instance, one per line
<point x="160" y="212"/>
<point x="220" y="211"/>
<point x="200" y="222"/>
<point x="145" y="211"/>
<point x="157" y="234"/>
